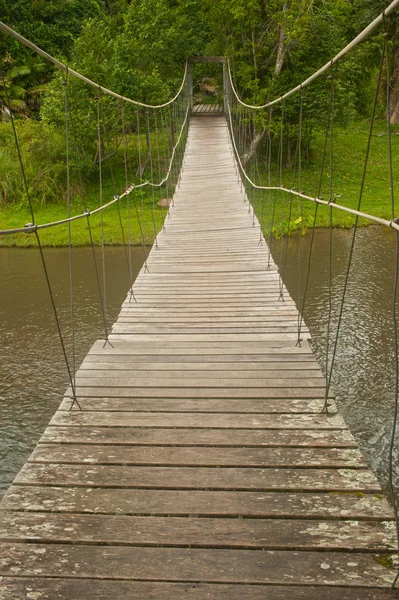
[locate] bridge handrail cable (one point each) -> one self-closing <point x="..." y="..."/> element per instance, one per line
<point x="352" y="211"/>
<point x="355" y="42"/>
<point x="69" y="71"/>
<point x="31" y="228"/>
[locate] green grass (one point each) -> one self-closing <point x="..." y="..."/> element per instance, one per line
<point x="13" y="217"/>
<point x="349" y="151"/>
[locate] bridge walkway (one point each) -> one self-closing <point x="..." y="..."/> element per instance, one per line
<point x="201" y="466"/>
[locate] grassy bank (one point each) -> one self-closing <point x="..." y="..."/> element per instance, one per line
<point x="348" y="159"/>
<point x="12" y="217"/>
<point x="349" y="151"/>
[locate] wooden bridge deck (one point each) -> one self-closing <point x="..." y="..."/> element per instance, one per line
<point x="200" y="466"/>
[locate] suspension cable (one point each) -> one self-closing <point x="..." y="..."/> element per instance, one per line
<point x="43" y="261"/>
<point x="66" y="69"/>
<point x="88" y="223"/>
<point x="334" y="353"/>
<point x="68" y="182"/>
<point x="355" y="42"/>
<point x="357" y="213"/>
<point x="33" y="227"/>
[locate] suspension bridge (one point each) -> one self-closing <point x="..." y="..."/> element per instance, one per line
<point x="198" y="451"/>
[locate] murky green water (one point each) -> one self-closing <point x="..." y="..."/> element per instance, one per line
<point x="32" y="372"/>
<point x="363" y="378"/>
<point x="32" y="369"/>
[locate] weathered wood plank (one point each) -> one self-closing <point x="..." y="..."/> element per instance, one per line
<point x="199" y="532"/>
<point x="191" y="565"/>
<point x="196" y="478"/>
<point x="202" y="421"/>
<point x="283" y="505"/>
<point x="90" y="434"/>
<point x="87" y="589"/>
<point x="197" y="456"/>
<point x="195" y="405"/>
<point x="158" y="380"/>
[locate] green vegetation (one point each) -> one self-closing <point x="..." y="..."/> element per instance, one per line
<point x="138" y="48"/>
<point x="348" y="162"/>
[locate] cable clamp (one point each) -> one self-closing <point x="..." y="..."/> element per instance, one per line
<point x="116" y="198"/>
<point x="30" y="228"/>
<point x="87" y="212"/>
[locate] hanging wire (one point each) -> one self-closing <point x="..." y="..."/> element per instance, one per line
<point x="286" y="237"/>
<point x="125" y="163"/>
<point x="330" y="244"/>
<point x="269" y="181"/>
<point x="262" y="198"/>
<point x="88" y="223"/>
<point x="341" y="309"/>
<point x="159" y="170"/>
<point x="138" y="141"/>
<point x="280" y="176"/>
<point x="118" y="208"/>
<point x="391" y="484"/>
<point x="327" y="136"/>
<point x="100" y="173"/>
<point x="257" y="171"/>
<point x="152" y="178"/>
<point x="167" y="160"/>
<point x="68" y="180"/>
<point x="46" y="274"/>
<point x="300" y="126"/>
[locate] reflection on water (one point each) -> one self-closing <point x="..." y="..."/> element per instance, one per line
<point x="32" y="372"/>
<point x="32" y="368"/>
<point x="363" y="378"/>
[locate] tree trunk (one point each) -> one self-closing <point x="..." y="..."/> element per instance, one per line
<point x="281" y="49"/>
<point x="289" y="163"/>
<point x="254" y="55"/>
<point x="253" y="147"/>
<point x="394" y="95"/>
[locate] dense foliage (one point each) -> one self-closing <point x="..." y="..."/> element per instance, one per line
<point x="138" y="48"/>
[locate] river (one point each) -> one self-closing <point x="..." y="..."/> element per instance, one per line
<point x="32" y="372"/>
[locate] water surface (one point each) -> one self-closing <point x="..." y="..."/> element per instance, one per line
<point x="32" y="372"/>
<point x="33" y="376"/>
<point x="363" y="377"/>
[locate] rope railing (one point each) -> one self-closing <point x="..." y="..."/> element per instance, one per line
<point x="122" y="126"/>
<point x="325" y="68"/>
<point x="71" y="72"/>
<point x="31" y="228"/>
<point x="393" y="223"/>
<point x="272" y="134"/>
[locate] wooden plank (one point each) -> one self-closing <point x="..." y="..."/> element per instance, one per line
<point x="205" y="503"/>
<point x="196" y="405"/>
<point x="197" y="456"/>
<point x="198" y="421"/>
<point x="90" y="434"/>
<point x="249" y="384"/>
<point x="84" y="390"/>
<point x="191" y="565"/>
<point x="269" y="534"/>
<point x="196" y="478"/>
<point x="93" y="363"/>
<point x="87" y="589"/>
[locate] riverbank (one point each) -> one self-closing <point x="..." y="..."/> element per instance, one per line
<point x="349" y="150"/>
<point x="150" y="217"/>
